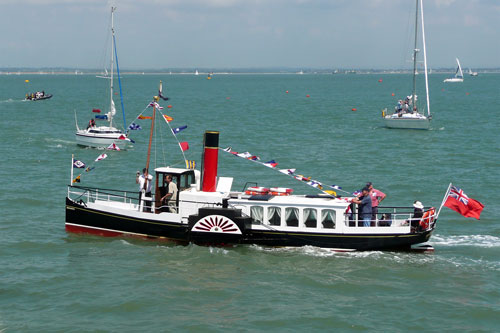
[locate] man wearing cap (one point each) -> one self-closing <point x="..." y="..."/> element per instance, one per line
<point x="365" y="204"/>
<point x="377" y="197"/>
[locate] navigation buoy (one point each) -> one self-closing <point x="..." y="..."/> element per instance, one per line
<point x="29" y="81"/>
<point x="392" y="94"/>
<point x="308" y="96"/>
<point x="228" y="97"/>
<point x="467" y="93"/>
<point x="169" y="106"/>
<point x="379" y="80"/>
<point x="287" y="91"/>
<point x="354" y="109"/>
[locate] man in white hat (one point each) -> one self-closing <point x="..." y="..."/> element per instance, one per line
<point x="418" y="212"/>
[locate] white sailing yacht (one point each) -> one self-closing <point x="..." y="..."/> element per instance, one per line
<point x="104" y="136"/>
<point x="471" y="73"/>
<point x="406" y="113"/>
<point x="459" y="75"/>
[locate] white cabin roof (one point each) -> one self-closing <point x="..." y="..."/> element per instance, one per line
<point x="171" y="170"/>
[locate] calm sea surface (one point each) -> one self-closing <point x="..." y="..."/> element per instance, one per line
<point x="57" y="282"/>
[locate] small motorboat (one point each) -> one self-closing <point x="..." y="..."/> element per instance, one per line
<point x="38" y="96"/>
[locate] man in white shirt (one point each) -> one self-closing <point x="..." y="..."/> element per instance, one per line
<point x="145" y="181"/>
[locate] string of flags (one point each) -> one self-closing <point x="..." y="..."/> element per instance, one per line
<point x="328" y="189"/>
<point x="77" y="164"/>
<point x="190" y="164"/>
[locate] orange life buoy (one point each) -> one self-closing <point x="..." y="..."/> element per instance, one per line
<point x="427" y="218"/>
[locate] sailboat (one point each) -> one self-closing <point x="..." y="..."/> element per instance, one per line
<point x="406" y="114"/>
<point x="471" y="73"/>
<point x="459" y="75"/>
<point x="104" y="136"/>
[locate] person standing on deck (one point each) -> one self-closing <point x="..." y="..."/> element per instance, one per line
<point x="171" y="197"/>
<point x="145" y="180"/>
<point x="377" y="197"/>
<point x="365" y="203"/>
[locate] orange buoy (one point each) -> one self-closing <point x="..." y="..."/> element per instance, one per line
<point x="354" y="109"/>
<point x="287" y="91"/>
<point x="392" y="94"/>
<point x="379" y="80"/>
<point x="169" y="106"/>
<point x="308" y="95"/>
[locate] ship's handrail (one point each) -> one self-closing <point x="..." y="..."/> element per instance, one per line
<point x="395" y="219"/>
<point x="91" y="194"/>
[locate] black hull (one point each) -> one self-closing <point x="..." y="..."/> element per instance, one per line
<point x="79" y="218"/>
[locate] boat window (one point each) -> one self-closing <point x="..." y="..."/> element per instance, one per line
<point x="328" y="218"/>
<point x="257" y="214"/>
<point x="186" y="180"/>
<point x="274" y="215"/>
<point x="310" y="218"/>
<point x="292" y="217"/>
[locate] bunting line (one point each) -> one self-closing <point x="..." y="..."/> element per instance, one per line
<point x="289" y="172"/>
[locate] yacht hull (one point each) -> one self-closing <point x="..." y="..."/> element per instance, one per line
<point x="407" y="123"/>
<point x="100" y="140"/>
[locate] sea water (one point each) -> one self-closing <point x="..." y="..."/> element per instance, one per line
<point x="59" y="282"/>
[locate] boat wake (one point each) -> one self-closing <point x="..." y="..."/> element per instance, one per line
<point x="316" y="251"/>
<point x="10" y="100"/>
<point x="466" y="240"/>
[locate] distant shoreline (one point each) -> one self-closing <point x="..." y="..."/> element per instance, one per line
<point x="231" y="72"/>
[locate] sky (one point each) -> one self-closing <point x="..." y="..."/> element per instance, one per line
<point x="160" y="34"/>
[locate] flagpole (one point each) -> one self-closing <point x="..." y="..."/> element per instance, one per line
<point x="444" y="199"/>
<point x="72" y="161"/>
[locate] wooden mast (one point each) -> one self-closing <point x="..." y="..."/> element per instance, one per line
<point x="156" y="99"/>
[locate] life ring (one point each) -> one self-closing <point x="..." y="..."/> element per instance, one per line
<point x="427" y="218"/>
<point x="257" y="190"/>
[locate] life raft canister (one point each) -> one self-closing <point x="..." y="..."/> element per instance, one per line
<point x="257" y="190"/>
<point x="280" y="191"/>
<point x="427" y="218"/>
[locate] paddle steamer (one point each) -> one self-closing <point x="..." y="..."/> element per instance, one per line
<point x="209" y="212"/>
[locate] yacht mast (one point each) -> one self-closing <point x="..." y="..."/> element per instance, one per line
<point x="415" y="51"/>
<point x="425" y="59"/>
<point x="111" y="103"/>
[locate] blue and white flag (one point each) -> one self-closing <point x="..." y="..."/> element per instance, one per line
<point x="135" y="127"/>
<point x="271" y="164"/>
<point x="78" y="164"/>
<point x="336" y="187"/>
<point x="178" y="129"/>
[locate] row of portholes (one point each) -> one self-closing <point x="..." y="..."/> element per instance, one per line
<point x="294" y="217"/>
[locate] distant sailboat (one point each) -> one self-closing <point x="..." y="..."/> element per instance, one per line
<point x="104" y="136"/>
<point x="406" y="115"/>
<point x="196" y="73"/>
<point x="459" y="75"/>
<point x="471" y="73"/>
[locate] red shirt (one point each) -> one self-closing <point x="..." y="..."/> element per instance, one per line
<point x="375" y="194"/>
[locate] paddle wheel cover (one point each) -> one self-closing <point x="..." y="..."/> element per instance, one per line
<point x="216" y="224"/>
